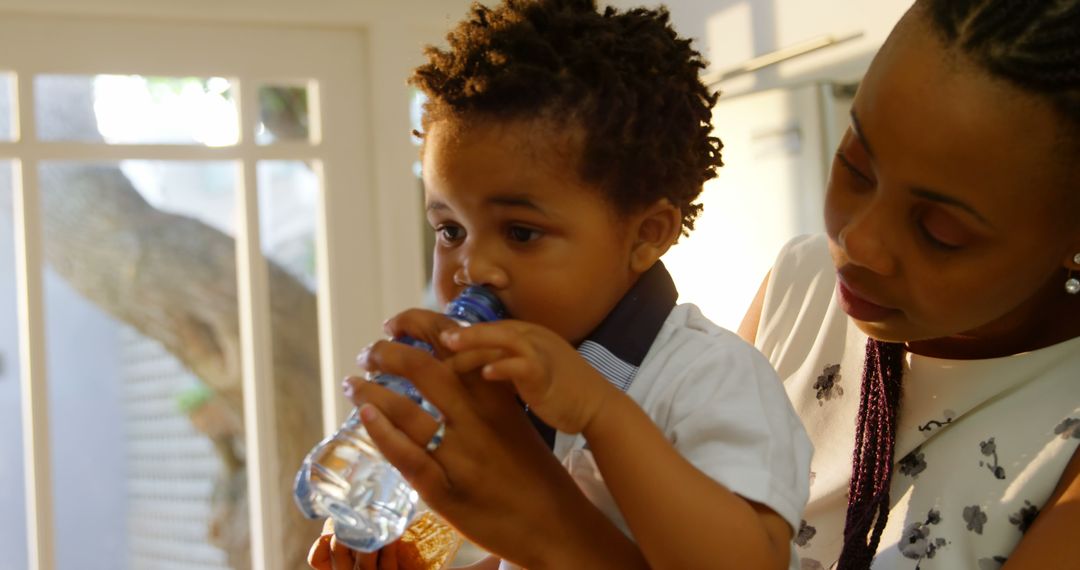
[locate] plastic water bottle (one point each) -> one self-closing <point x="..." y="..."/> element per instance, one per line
<point x="346" y="478"/>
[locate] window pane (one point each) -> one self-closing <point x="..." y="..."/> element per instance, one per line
<point x="283" y="114"/>
<point x="288" y="214"/>
<point x="136" y="109"/>
<point x="144" y="386"/>
<point x="12" y="485"/>
<point x="7" y="86"/>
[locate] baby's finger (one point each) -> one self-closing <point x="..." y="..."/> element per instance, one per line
<point x="420" y="324"/>
<point x="343" y="558"/>
<point x="319" y="555"/>
<point x="371" y="356"/>
<point x="469" y="360"/>
<point x="509" y="336"/>
<point x="388" y="558"/>
<point x="416" y="465"/>
<point x="525" y="373"/>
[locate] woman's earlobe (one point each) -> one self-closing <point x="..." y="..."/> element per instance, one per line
<point x="1072" y="283"/>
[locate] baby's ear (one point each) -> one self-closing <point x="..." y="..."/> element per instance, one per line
<point x="656" y="229"/>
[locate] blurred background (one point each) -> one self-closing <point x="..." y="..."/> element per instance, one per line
<point x="206" y="209"/>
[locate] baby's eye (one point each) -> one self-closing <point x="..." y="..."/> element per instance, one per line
<point x="523" y="234"/>
<point x="449" y="232"/>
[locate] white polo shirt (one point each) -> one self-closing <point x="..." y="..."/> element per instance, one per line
<point x="719" y="402"/>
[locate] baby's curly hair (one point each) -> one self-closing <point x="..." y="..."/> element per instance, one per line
<point x="625" y="78"/>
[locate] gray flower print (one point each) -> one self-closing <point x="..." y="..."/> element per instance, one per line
<point x="828" y="384"/>
<point x="975" y="518"/>
<point x="989" y="449"/>
<point x="913" y="463"/>
<point x="806" y="532"/>
<point x="994" y="563"/>
<point x="1024" y="517"/>
<point x="1069" y="427"/>
<point x="929" y="427"/>
<point x="916" y="542"/>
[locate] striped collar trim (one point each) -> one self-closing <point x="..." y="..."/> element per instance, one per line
<point x="617" y="347"/>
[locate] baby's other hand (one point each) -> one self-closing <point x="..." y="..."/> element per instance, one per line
<point x="329" y="554"/>
<point x="558" y="385"/>
<point x="420" y="324"/>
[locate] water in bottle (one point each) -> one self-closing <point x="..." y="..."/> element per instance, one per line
<point x="346" y="478"/>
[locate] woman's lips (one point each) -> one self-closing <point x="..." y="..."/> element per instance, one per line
<point x="858" y="307"/>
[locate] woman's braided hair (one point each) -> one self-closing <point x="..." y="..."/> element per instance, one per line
<point x="624" y="78"/>
<point x="1034" y="45"/>
<point x="872" y="465"/>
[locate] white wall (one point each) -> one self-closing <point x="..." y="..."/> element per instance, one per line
<point x="729" y="32"/>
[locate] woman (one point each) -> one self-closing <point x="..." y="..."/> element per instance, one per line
<point x="948" y="282"/>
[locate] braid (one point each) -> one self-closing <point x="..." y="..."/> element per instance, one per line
<point x="1034" y="44"/>
<point x="872" y="463"/>
<point x="625" y="78"/>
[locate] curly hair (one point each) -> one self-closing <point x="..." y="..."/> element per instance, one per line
<point x="625" y="78"/>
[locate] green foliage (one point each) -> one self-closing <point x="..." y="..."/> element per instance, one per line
<point x="193" y="398"/>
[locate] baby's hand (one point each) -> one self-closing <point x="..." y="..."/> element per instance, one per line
<point x="428" y="543"/>
<point x="551" y="377"/>
<point x="422" y="325"/>
<point x="329" y="554"/>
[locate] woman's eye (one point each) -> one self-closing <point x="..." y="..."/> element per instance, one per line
<point x="854" y="159"/>
<point x="943" y="232"/>
<point x="859" y="175"/>
<point x="523" y="234"/>
<point x="936" y="242"/>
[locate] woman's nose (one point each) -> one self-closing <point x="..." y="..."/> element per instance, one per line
<point x="864" y="239"/>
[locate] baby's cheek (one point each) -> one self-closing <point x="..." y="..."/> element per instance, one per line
<point x="444" y="288"/>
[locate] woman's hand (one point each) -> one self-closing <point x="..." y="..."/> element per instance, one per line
<point x="492" y="477"/>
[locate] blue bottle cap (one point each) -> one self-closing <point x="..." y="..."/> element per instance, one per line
<point x="477" y="304"/>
